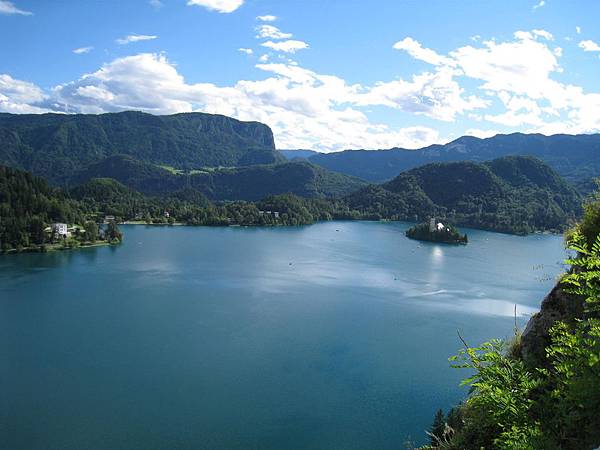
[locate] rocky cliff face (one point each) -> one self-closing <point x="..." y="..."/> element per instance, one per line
<point x="557" y="306"/>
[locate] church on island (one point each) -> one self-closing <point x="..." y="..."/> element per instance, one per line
<point x="436" y="232"/>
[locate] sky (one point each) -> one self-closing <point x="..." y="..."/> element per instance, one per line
<point x="325" y="75"/>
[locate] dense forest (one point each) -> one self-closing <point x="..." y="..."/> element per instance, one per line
<point x="513" y="194"/>
<point x="27" y="206"/>
<point x="250" y="183"/>
<point x="540" y="390"/>
<point x="56" y="146"/>
<point x="101" y="196"/>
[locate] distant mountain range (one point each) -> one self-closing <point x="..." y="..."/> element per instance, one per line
<point x="575" y="157"/>
<point x="56" y="146"/>
<point x="226" y="159"/>
<point x="514" y="194"/>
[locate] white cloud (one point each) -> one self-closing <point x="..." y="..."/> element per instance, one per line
<point x="520" y="66"/>
<point x="18" y="96"/>
<point x="304" y="109"/>
<point x="7" y="7"/>
<point x="482" y="134"/>
<point x="247" y="51"/>
<point x="135" y="38"/>
<point x="82" y="50"/>
<point x="289" y="46"/>
<point x="578" y="30"/>
<point x="271" y="32"/>
<point x="437" y="95"/>
<point x="221" y="6"/>
<point x="518" y="73"/>
<point x="544" y="34"/>
<point x="539" y="5"/>
<point x="157" y="4"/>
<point x="589" y="46"/>
<point x="417" y="51"/>
<point x="267" y="18"/>
<point x="510" y="83"/>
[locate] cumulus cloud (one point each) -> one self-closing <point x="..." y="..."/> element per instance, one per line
<point x="482" y="134"/>
<point x="289" y="46"/>
<point x="578" y="30"/>
<point x="135" y="38"/>
<point x="434" y="94"/>
<point x="518" y="73"/>
<point x="157" y="4"/>
<point x="417" y="51"/>
<point x="510" y="83"/>
<point x="247" y="51"/>
<point x="271" y="32"/>
<point x="305" y="109"/>
<point x="589" y="46"/>
<point x="267" y="18"/>
<point x="7" y="7"/>
<point x="82" y="50"/>
<point x="18" y="96"/>
<point x="221" y="6"/>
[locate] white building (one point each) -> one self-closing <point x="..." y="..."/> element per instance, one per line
<point x="60" y="229"/>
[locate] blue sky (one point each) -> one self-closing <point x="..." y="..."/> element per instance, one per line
<point x="326" y="75"/>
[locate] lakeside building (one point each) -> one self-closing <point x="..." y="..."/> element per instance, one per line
<point x="60" y="229"/>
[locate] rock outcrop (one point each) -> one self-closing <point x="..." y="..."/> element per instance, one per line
<point x="557" y="306"/>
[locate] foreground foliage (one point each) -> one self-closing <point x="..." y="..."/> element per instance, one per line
<point x="555" y="406"/>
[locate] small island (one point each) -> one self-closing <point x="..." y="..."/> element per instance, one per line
<point x="437" y="232"/>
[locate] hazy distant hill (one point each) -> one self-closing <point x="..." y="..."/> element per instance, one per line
<point x="243" y="183"/>
<point x="577" y="157"/>
<point x="56" y="146"/>
<point x="513" y="194"/>
<point x="298" y="154"/>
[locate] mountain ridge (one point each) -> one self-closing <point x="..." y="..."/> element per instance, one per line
<point x="575" y="157"/>
<point x="55" y="146"/>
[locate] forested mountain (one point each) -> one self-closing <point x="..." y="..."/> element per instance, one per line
<point x="56" y="146"/>
<point x="575" y="157"/>
<point x="512" y="194"/>
<point x="244" y="183"/>
<point x="27" y="206"/>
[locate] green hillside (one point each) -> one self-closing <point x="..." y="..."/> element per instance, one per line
<point x="56" y="146"/>
<point x="512" y="194"/>
<point x="244" y="183"/>
<point x="27" y="206"/>
<point x="574" y="157"/>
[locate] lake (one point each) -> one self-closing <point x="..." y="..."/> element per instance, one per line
<point x="331" y="336"/>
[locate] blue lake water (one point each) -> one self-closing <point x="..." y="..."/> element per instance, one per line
<point x="331" y="336"/>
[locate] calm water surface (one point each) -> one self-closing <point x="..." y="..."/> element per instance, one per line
<point x="333" y="336"/>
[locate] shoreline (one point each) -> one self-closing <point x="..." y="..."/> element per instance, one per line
<point x="49" y="248"/>
<point x="236" y="225"/>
